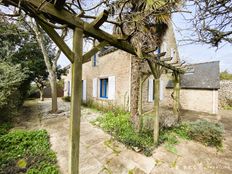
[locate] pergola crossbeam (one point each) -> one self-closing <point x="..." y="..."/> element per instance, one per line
<point x="58" y="40"/>
<point x="100" y="19"/>
<point x="73" y="21"/>
<point x="87" y="56"/>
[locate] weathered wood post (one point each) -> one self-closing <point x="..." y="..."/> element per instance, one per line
<point x="176" y="95"/>
<point x="74" y="136"/>
<point x="156" y="72"/>
<point x="156" y="87"/>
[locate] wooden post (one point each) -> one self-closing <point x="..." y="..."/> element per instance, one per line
<point x="156" y="110"/>
<point x="140" y="110"/>
<point x="74" y="142"/>
<point x="176" y="95"/>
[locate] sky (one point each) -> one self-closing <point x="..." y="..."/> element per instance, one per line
<point x="192" y="53"/>
<point x="197" y="53"/>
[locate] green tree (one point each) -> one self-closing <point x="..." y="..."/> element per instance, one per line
<point x="225" y="75"/>
<point x="13" y="80"/>
<point x="19" y="46"/>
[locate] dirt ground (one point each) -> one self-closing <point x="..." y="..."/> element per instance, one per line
<point x="100" y="154"/>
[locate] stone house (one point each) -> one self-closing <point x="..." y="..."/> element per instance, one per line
<point x="108" y="79"/>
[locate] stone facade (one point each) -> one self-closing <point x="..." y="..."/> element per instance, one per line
<point x="225" y="93"/>
<point x="123" y="68"/>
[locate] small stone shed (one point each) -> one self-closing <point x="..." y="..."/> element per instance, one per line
<point x="199" y="89"/>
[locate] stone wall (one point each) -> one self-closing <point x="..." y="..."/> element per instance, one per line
<point x="225" y="93"/>
<point x="113" y="64"/>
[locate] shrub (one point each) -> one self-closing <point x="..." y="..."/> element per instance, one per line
<point x="118" y="124"/>
<point x="13" y="87"/>
<point x="4" y="128"/>
<point x="26" y="152"/>
<point x="208" y="133"/>
<point x="108" y="107"/>
<point x="66" y="98"/>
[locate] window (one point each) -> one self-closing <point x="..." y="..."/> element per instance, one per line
<point x="84" y="92"/>
<point x="104" y="88"/>
<point x="69" y="86"/>
<point x="94" y="60"/>
<point x="151" y="89"/>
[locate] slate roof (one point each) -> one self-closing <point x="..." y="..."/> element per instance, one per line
<point x="107" y="50"/>
<point x="205" y="76"/>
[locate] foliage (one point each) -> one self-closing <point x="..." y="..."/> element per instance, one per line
<point x="118" y="124"/>
<point x="66" y="98"/>
<point x="108" y="107"/>
<point x="13" y="86"/>
<point x="33" y="92"/>
<point x="4" y="128"/>
<point x="225" y="75"/>
<point x="206" y="132"/>
<point x="26" y="152"/>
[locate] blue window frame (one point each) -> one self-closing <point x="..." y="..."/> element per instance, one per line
<point x="158" y="50"/>
<point x="104" y="88"/>
<point x="95" y="60"/>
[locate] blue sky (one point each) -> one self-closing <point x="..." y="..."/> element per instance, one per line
<point x="197" y="53"/>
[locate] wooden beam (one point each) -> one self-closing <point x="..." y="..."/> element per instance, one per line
<point x="73" y="21"/>
<point x="57" y="39"/>
<point x="87" y="56"/>
<point x="100" y="19"/>
<point x="176" y="95"/>
<point x="166" y="59"/>
<point x="74" y="132"/>
<point x="156" y="87"/>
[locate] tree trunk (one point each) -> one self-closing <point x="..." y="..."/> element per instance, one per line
<point x="134" y="101"/>
<point x="41" y="92"/>
<point x="156" y="110"/>
<point x="53" y="84"/>
<point x="176" y="96"/>
<point x="51" y="68"/>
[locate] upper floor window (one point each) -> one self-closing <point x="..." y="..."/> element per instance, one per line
<point x="94" y="60"/>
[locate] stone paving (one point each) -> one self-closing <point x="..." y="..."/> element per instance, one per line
<point x="100" y="154"/>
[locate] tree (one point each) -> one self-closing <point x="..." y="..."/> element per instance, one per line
<point x="212" y="21"/>
<point x="144" y="24"/>
<point x="18" y="46"/>
<point x="225" y="75"/>
<point x="49" y="59"/>
<point x="12" y="79"/>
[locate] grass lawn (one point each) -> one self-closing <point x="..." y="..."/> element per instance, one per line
<point x="27" y="152"/>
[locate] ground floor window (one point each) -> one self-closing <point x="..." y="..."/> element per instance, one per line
<point x="104" y="88"/>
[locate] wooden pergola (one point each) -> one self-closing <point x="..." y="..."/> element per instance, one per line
<point x="41" y="10"/>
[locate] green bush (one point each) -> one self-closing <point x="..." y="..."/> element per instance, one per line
<point x="26" y="152"/>
<point x="4" y="128"/>
<point x="118" y="124"/>
<point x="13" y="87"/>
<point x="107" y="107"/>
<point x="225" y="75"/>
<point x="66" y="98"/>
<point x="208" y="133"/>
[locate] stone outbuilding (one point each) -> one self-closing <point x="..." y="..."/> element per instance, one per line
<point x="199" y="89"/>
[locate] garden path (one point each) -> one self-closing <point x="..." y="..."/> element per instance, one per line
<point x="100" y="154"/>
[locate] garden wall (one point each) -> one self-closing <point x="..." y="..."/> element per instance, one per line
<point x="225" y="93"/>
